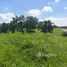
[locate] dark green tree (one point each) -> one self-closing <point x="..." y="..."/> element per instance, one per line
<point x="30" y="23"/>
<point x="17" y="23"/>
<point x="20" y="23"/>
<point x="12" y="26"/>
<point x="49" y="26"/>
<point x="44" y="27"/>
<point x="40" y="25"/>
<point x="4" y="28"/>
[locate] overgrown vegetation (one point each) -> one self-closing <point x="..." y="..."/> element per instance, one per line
<point x="33" y="49"/>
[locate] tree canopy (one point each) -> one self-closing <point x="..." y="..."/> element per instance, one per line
<point x="26" y="24"/>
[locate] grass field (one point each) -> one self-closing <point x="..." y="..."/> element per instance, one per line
<point x="33" y="50"/>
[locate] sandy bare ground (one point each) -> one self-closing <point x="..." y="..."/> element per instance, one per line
<point x="65" y="30"/>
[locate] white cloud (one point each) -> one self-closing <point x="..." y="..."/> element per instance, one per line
<point x="65" y="8"/>
<point x="54" y="2"/>
<point x="49" y="3"/>
<point x="37" y="12"/>
<point x="6" y="17"/>
<point x="6" y="8"/>
<point x="58" y="21"/>
<point x="47" y="9"/>
<point x="34" y="12"/>
<point x="57" y="1"/>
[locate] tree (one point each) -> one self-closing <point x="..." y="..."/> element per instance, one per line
<point x="12" y="26"/>
<point x="20" y="26"/>
<point x="40" y="25"/>
<point x="20" y="23"/>
<point x="55" y="26"/>
<point x="17" y="23"/>
<point x="30" y="23"/>
<point x="47" y="26"/>
<point x="44" y="27"/>
<point x="4" y="28"/>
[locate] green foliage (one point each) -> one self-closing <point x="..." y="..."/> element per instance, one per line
<point x="26" y="24"/>
<point x="33" y="50"/>
<point x="4" y="28"/>
<point x="17" y="24"/>
<point x="47" y="26"/>
<point x="30" y="23"/>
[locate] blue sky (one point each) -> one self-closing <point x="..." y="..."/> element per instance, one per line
<point x="56" y="10"/>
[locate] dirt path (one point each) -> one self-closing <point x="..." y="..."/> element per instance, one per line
<point x="65" y="30"/>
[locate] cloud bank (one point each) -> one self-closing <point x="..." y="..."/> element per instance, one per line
<point x="57" y="1"/>
<point x="6" y="17"/>
<point x="34" y="12"/>
<point x="47" y="9"/>
<point x="58" y="21"/>
<point x="37" y="12"/>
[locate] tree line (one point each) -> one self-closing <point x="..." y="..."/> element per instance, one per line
<point x="26" y="24"/>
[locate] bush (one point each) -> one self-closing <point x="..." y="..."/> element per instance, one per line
<point x="64" y="34"/>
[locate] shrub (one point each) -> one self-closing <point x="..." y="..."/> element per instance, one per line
<point x="64" y="34"/>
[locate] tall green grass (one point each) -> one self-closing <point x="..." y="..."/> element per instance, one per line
<point x="33" y="50"/>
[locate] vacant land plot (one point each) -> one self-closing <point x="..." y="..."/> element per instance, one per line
<point x="33" y="50"/>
